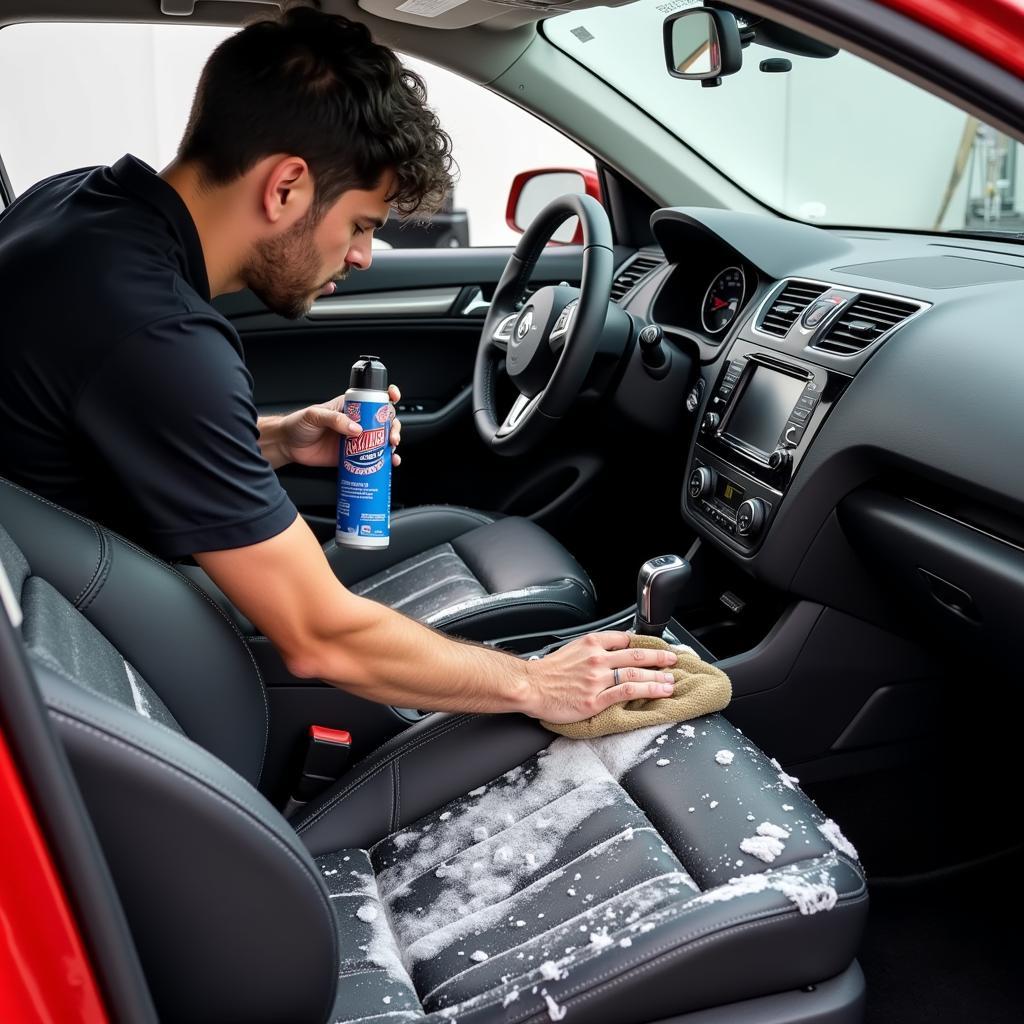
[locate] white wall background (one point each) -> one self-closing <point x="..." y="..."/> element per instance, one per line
<point x="76" y="95"/>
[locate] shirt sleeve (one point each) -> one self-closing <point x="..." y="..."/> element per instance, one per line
<point x="170" y="411"/>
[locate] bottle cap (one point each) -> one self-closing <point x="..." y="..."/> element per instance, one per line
<point x="369" y="374"/>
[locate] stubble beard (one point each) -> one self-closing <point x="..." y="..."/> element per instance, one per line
<point x="284" y="272"/>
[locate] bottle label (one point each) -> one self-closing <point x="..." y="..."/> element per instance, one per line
<point x="364" y="472"/>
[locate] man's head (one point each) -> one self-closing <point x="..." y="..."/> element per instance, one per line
<point x="322" y="131"/>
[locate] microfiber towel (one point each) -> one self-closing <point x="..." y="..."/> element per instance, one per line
<point x="700" y="689"/>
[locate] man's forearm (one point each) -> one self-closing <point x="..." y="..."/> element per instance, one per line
<point x="285" y="586"/>
<point x="387" y="657"/>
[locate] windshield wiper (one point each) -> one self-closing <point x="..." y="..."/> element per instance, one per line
<point x="1006" y="236"/>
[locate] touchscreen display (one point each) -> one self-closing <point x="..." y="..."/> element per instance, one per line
<point x="763" y="408"/>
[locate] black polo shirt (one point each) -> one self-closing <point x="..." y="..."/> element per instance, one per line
<point x="123" y="393"/>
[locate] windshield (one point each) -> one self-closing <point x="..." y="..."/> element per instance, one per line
<point x="833" y="141"/>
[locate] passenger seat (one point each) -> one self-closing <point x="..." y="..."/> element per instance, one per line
<point x="474" y="868"/>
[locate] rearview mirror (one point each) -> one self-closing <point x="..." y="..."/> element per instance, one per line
<point x="531" y="191"/>
<point x="703" y="45"/>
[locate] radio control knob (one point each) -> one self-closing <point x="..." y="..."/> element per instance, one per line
<point x="710" y="422"/>
<point x="750" y="517"/>
<point x="781" y="459"/>
<point x="702" y="482"/>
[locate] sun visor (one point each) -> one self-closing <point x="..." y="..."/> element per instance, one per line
<point x="455" y="14"/>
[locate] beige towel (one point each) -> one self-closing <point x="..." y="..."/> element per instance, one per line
<point x="700" y="689"/>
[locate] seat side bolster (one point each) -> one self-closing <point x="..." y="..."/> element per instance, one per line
<point x="187" y="839"/>
<point x="425" y="767"/>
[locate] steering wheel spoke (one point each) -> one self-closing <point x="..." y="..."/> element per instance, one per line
<point x="502" y="333"/>
<point x="563" y="325"/>
<point x="521" y="408"/>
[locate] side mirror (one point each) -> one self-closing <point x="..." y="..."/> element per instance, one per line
<point x="531" y="191"/>
<point x="703" y="45"/>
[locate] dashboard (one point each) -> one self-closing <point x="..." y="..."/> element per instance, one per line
<point x="857" y="408"/>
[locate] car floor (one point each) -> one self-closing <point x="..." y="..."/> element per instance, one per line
<point x="944" y="947"/>
<point x="940" y="840"/>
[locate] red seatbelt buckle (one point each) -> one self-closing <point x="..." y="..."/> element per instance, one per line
<point x="327" y="756"/>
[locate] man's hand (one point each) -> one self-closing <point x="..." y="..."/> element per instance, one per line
<point x="579" y="679"/>
<point x="311" y="436"/>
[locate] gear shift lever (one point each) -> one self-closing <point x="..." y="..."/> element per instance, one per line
<point x="658" y="586"/>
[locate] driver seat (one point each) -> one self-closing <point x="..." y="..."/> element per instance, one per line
<point x="479" y="576"/>
<point x="470" y="573"/>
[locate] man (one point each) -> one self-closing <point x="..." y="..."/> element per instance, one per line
<point x="126" y="397"/>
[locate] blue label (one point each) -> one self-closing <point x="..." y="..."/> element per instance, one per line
<point x="364" y="472"/>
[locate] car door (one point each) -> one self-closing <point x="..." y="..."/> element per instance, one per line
<point x="421" y="311"/>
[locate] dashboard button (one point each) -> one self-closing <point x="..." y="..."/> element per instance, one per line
<point x="800" y="414"/>
<point x="808" y="400"/>
<point x="792" y="433"/>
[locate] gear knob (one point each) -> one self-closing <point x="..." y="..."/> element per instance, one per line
<point x="659" y="585"/>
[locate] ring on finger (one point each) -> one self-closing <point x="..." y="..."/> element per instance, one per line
<point x="615" y="676"/>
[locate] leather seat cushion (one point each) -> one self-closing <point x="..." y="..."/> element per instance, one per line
<point x="581" y="875"/>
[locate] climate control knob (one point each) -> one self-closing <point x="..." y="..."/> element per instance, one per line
<point x="781" y="460"/>
<point x="750" y="517"/>
<point x="702" y="482"/>
<point x="710" y="422"/>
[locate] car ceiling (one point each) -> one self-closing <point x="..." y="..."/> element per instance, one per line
<point x="479" y="39"/>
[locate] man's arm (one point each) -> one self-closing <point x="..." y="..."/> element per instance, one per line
<point x="285" y="586"/>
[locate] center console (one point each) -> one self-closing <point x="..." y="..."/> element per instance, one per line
<point x="764" y="410"/>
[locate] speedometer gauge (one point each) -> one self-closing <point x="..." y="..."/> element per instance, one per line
<point x="722" y="300"/>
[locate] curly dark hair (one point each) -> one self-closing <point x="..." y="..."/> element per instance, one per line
<point x="317" y="86"/>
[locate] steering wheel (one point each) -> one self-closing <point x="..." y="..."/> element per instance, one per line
<point x="548" y="344"/>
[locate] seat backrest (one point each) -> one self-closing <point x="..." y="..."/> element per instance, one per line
<point x="229" y="913"/>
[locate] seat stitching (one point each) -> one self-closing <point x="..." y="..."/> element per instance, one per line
<point x="655" y="957"/>
<point x="396" y="800"/>
<point x="95" y="572"/>
<point x="437" y="731"/>
<point x="236" y="806"/>
<point x="163" y="565"/>
<point x="107" y="561"/>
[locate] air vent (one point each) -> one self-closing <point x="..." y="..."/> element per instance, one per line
<point x="787" y="307"/>
<point x="630" y="276"/>
<point x="864" y="322"/>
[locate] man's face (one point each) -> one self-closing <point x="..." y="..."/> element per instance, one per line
<point x="289" y="271"/>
